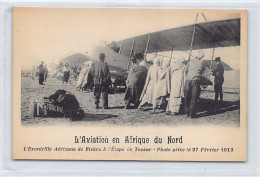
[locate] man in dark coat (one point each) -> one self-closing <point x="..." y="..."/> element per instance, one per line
<point x="41" y="73"/>
<point x="135" y="84"/>
<point x="195" y="68"/>
<point x="218" y="72"/>
<point x="66" y="73"/>
<point x="102" y="80"/>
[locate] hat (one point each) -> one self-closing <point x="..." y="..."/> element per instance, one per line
<point x="200" y="54"/>
<point x="101" y="56"/>
<point x="181" y="59"/>
<point x="139" y="56"/>
<point x="165" y="63"/>
<point x="217" y="59"/>
<point x="156" y="61"/>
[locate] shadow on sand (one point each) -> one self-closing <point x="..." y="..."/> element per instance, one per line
<point x="98" y="117"/>
<point x="208" y="107"/>
<point x="205" y="107"/>
<point x="117" y="107"/>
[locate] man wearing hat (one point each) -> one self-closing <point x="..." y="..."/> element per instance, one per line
<point x="102" y="80"/>
<point x="218" y="72"/>
<point x="194" y="70"/>
<point x="41" y="73"/>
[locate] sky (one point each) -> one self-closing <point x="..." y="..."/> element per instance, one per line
<point x="51" y="34"/>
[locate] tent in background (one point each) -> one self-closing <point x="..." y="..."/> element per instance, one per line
<point x="75" y="59"/>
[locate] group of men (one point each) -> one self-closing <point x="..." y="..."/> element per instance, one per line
<point x="160" y="85"/>
<point x="155" y="85"/>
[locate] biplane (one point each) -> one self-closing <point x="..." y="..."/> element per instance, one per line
<point x="198" y="36"/>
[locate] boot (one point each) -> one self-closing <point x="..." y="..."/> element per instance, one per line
<point x="216" y="99"/>
<point x="221" y="98"/>
<point x="97" y="106"/>
<point x="127" y="104"/>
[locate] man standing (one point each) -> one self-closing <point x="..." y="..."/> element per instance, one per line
<point x="135" y="83"/>
<point x="66" y="73"/>
<point x="41" y="73"/>
<point x="194" y="70"/>
<point x="218" y="72"/>
<point x="102" y="80"/>
<point x="45" y="73"/>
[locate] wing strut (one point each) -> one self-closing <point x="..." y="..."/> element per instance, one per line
<point x="194" y="30"/>
<point x="171" y="53"/>
<point x="147" y="45"/>
<point x="132" y="48"/>
<point x="120" y="47"/>
<point x="212" y="56"/>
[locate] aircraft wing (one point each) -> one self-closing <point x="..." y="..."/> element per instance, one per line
<point x="113" y="59"/>
<point x="225" y="33"/>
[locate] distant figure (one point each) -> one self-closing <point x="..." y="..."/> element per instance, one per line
<point x="41" y="73"/>
<point x="66" y="73"/>
<point x="46" y="73"/>
<point x="75" y="72"/>
<point x="163" y="86"/>
<point x="218" y="72"/>
<point x="37" y="71"/>
<point x="114" y="47"/>
<point x="102" y="80"/>
<point x="33" y="72"/>
<point x="194" y="70"/>
<point x="135" y="84"/>
<point x="148" y="93"/>
<point x="177" y="86"/>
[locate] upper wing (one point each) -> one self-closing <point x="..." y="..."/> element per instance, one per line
<point x="225" y="33"/>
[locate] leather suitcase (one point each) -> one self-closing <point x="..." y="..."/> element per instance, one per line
<point x="46" y="109"/>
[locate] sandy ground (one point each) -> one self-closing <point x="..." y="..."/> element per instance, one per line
<point x="226" y="115"/>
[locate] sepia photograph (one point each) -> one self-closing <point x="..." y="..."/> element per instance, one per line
<point x="127" y="68"/>
<point x="126" y="77"/>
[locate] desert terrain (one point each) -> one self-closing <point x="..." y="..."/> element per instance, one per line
<point x="227" y="115"/>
